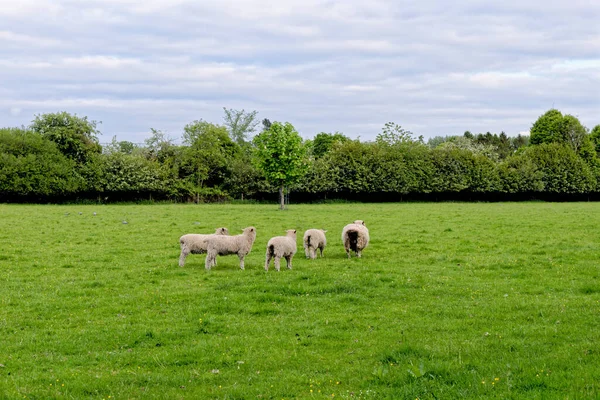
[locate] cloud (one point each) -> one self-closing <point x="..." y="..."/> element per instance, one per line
<point x="15" y="111"/>
<point x="322" y="65"/>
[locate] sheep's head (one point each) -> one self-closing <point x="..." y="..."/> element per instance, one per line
<point x="291" y="233"/>
<point x="250" y="232"/>
<point x="359" y="222"/>
<point x="221" y="231"/>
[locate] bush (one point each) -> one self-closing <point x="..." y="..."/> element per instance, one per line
<point x="33" y="169"/>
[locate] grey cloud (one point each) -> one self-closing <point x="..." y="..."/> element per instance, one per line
<point x="322" y="65"/>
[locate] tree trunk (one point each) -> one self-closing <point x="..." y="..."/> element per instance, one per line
<point x="281" y="199"/>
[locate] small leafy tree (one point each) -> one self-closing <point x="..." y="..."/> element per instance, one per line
<point x="393" y="134"/>
<point x="281" y="156"/>
<point x="240" y="124"/>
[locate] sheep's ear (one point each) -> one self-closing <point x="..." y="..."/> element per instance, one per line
<point x="324" y="231"/>
<point x="363" y="222"/>
<point x="294" y="231"/>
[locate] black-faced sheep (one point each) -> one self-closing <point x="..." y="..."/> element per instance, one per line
<point x="281" y="246"/>
<point x="225" y="245"/>
<point x="314" y="239"/>
<point x="355" y="237"/>
<point x="195" y="243"/>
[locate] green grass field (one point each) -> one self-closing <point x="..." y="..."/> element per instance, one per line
<point x="449" y="301"/>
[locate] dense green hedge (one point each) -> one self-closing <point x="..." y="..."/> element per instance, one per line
<point x="211" y="167"/>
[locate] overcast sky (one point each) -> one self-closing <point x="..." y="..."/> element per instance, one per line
<point x="434" y="67"/>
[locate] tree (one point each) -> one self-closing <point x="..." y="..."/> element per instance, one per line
<point x="240" y="123"/>
<point x="595" y="138"/>
<point x="281" y="156"/>
<point x="75" y="137"/>
<point x="208" y="155"/>
<point x="32" y="167"/>
<point x="266" y="123"/>
<point x="323" y="142"/>
<point x="547" y="128"/>
<point x="553" y="127"/>
<point x="394" y="134"/>
<point x="159" y="145"/>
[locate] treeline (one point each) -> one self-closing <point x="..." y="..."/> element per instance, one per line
<point x="59" y="158"/>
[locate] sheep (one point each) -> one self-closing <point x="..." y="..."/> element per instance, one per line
<point x="196" y="243"/>
<point x="281" y="246"/>
<point x="224" y="245"/>
<point x="355" y="237"/>
<point x="314" y="239"/>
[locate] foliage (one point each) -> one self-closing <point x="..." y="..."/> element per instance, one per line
<point x="553" y="127"/>
<point x="60" y="159"/>
<point x="32" y="168"/>
<point x="352" y="167"/>
<point x="520" y="174"/>
<point x="245" y="179"/>
<point x="240" y="124"/>
<point x="266" y="123"/>
<point x="324" y="142"/>
<point x="393" y="133"/>
<point x="548" y="128"/>
<point x="452" y="169"/>
<point x="403" y="167"/>
<point x="159" y="146"/>
<point x="595" y="138"/>
<point x="206" y="159"/>
<point x="130" y="173"/>
<point x="563" y="171"/>
<point x="281" y="155"/>
<point x="76" y="137"/>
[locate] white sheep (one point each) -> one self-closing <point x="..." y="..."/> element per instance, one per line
<point x="195" y="243"/>
<point x="355" y="237"/>
<point x="281" y="246"/>
<point x="225" y="245"/>
<point x="314" y="239"/>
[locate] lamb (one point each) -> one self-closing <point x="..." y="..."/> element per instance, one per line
<point x="355" y="237"/>
<point x="196" y="243"/>
<point x="225" y="245"/>
<point x="281" y="246"/>
<point x="314" y="239"/>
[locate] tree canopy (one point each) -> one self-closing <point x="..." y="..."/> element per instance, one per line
<point x="76" y="137"/>
<point x="281" y="155"/>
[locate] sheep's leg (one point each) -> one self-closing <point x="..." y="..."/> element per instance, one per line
<point x="358" y="253"/>
<point x="321" y="250"/>
<point x="307" y="251"/>
<point x="242" y="262"/>
<point x="313" y="253"/>
<point x="268" y="261"/>
<point x="182" y="257"/>
<point x="276" y="262"/>
<point x="289" y="261"/>
<point x="209" y="262"/>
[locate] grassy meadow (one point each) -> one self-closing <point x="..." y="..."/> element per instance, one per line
<point x="449" y="301"/>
